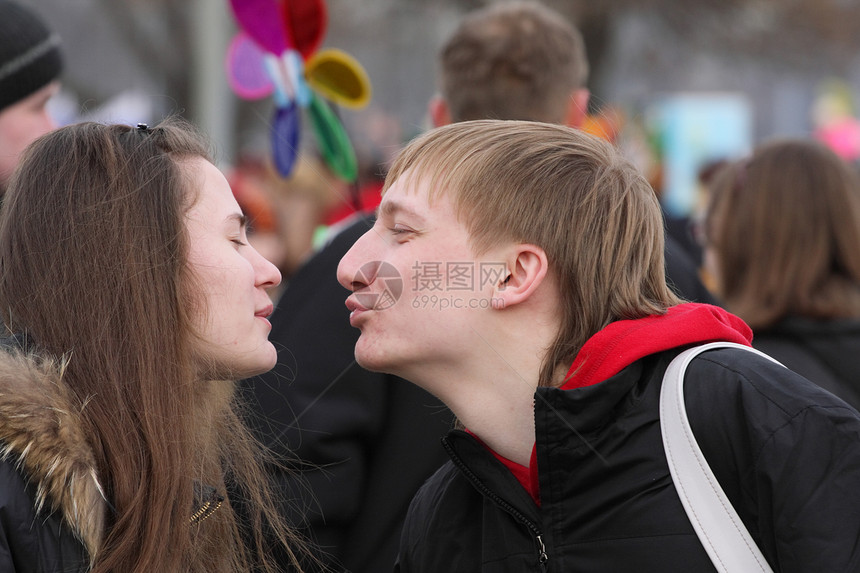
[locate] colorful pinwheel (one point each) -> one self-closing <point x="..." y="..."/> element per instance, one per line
<point x="275" y="52"/>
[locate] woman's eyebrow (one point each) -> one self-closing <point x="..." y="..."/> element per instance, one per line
<point x="239" y="217"/>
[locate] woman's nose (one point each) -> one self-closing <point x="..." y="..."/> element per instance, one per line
<point x="267" y="274"/>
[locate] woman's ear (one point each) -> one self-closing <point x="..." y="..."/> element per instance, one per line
<point x="527" y="268"/>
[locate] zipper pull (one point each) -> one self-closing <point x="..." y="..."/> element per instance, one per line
<point x="542" y="556"/>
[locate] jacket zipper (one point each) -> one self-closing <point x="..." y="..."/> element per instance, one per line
<point x="543" y="558"/>
<point x="205" y="511"/>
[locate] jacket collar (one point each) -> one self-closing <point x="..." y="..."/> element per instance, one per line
<point x="42" y="433"/>
<point x="489" y="476"/>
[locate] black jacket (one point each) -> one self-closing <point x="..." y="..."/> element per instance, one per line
<point x="786" y="453"/>
<point x="52" y="506"/>
<point x="365" y="441"/>
<point x="825" y="351"/>
<point x="32" y="542"/>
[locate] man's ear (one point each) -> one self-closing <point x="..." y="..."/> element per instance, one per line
<point x="439" y="113"/>
<point x="577" y="108"/>
<point x="527" y="269"/>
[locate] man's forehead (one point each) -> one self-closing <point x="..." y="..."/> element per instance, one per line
<point x="415" y="183"/>
<point x="414" y="197"/>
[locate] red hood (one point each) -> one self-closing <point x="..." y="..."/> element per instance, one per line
<point x="623" y="342"/>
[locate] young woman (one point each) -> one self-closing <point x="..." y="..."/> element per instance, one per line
<point x="131" y="293"/>
<point x="782" y="241"/>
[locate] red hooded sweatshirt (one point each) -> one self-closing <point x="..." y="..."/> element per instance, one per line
<point x="624" y="342"/>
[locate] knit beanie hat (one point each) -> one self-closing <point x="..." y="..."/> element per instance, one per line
<point x="30" y="55"/>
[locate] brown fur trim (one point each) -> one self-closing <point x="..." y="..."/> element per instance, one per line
<point x="42" y="432"/>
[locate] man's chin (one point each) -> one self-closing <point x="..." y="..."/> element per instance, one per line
<point x="370" y="363"/>
<point x="374" y="362"/>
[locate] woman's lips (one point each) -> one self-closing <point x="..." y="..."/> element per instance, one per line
<point x="265" y="313"/>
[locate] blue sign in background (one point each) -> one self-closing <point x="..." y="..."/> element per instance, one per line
<point x="698" y="129"/>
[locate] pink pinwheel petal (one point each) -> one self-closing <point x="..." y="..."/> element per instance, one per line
<point x="246" y="70"/>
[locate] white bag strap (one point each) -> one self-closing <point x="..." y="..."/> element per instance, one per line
<point x="716" y="522"/>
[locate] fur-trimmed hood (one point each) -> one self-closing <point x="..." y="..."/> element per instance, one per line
<point x="42" y="433"/>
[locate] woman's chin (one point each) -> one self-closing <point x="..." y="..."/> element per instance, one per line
<point x="264" y="364"/>
<point x="241" y="366"/>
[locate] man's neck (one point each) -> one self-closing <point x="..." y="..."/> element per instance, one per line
<point x="505" y="423"/>
<point x="490" y="379"/>
<point x="493" y="397"/>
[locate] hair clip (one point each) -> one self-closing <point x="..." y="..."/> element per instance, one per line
<point x="142" y="127"/>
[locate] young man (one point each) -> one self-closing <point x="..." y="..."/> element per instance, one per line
<point x="552" y="358"/>
<point x="30" y="65"/>
<point x="368" y="439"/>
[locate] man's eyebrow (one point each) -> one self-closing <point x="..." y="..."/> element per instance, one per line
<point x="391" y="208"/>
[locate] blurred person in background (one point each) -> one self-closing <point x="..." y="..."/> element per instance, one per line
<point x="133" y="297"/>
<point x="512" y="60"/>
<point x="31" y="62"/>
<point x="371" y="439"/>
<point x="782" y="245"/>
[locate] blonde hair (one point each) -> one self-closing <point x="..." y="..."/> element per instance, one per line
<point x="571" y="194"/>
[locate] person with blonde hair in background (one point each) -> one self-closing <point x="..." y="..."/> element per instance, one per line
<point x="782" y="243"/>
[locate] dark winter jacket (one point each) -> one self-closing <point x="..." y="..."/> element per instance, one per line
<point x="786" y="452"/>
<point x="51" y="508"/>
<point x="366" y="441"/>
<point x="825" y="351"/>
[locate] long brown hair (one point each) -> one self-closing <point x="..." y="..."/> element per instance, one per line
<point x="571" y="194"/>
<point x="784" y="227"/>
<point x="93" y="268"/>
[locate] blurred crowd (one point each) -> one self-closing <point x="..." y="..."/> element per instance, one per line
<point x="772" y="237"/>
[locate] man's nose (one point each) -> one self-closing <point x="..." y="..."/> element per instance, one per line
<point x="353" y="272"/>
